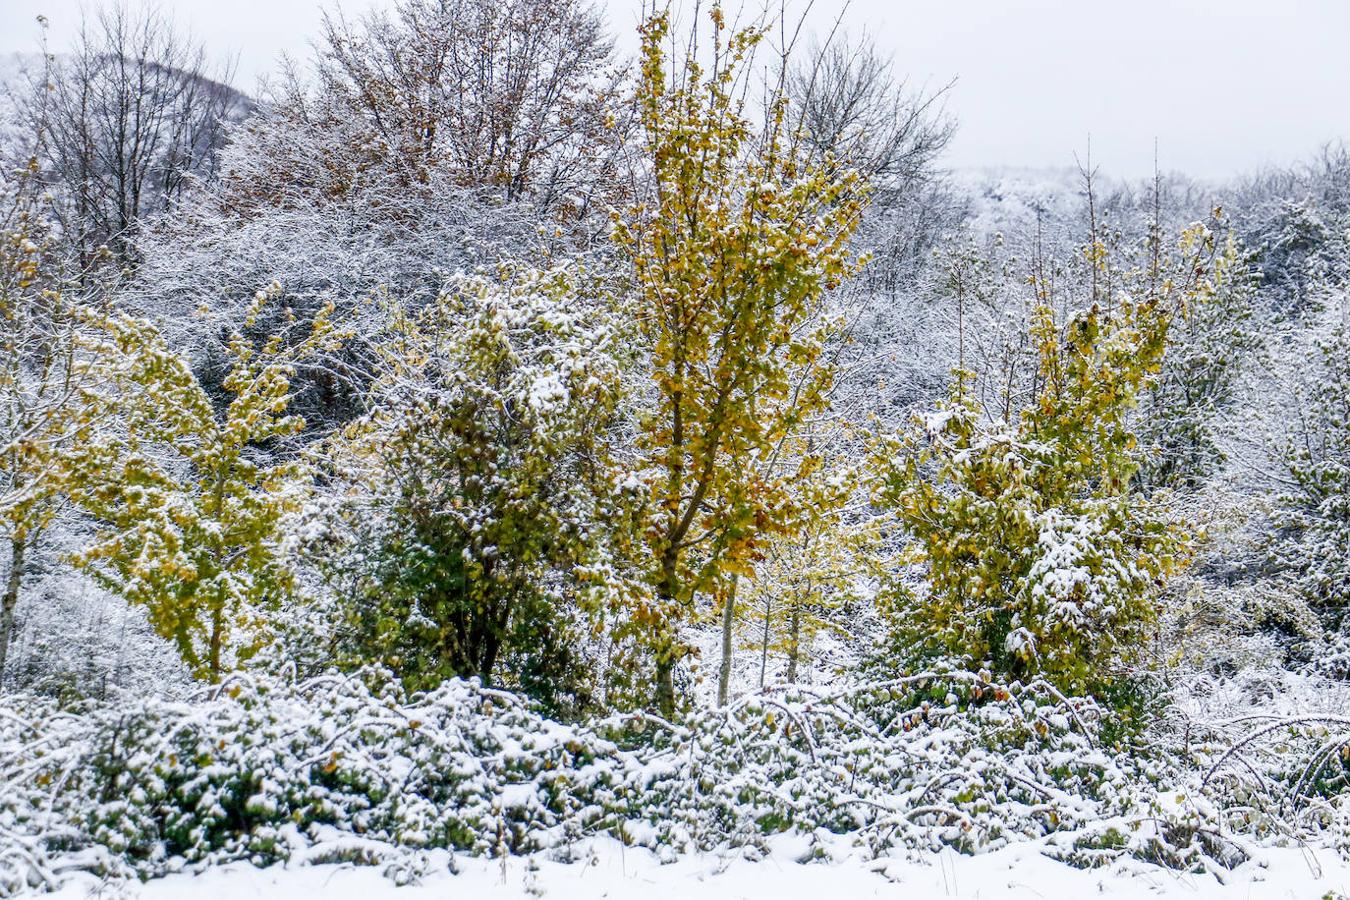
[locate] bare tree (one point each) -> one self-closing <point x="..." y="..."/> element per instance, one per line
<point x="512" y="95"/>
<point x="126" y="122"/>
<point x="848" y="102"/>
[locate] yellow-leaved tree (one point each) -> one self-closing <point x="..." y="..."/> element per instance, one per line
<point x="1043" y="558"/>
<point x="734" y="252"/>
<point x="190" y="506"/>
<point x="807" y="578"/>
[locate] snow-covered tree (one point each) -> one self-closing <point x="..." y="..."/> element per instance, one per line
<point x="806" y="577"/>
<point x="128" y="119"/>
<point x="468" y="534"/>
<point x="1313" y="513"/>
<point x="426" y="138"/>
<point x="515" y="101"/>
<point x="190" y="505"/>
<point x="45" y="406"/>
<point x="850" y="104"/>
<point x="733" y="254"/>
<point x="1040" y="555"/>
<point x="1208" y="344"/>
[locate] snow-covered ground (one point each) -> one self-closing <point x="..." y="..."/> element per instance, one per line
<point x="609" y="870"/>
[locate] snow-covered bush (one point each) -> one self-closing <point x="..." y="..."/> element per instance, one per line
<point x="1039" y="556"/>
<point x="266" y="769"/>
<point x="473" y="505"/>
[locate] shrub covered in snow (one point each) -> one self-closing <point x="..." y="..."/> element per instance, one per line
<point x="267" y="769"/>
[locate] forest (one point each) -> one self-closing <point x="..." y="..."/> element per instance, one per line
<point x="483" y="447"/>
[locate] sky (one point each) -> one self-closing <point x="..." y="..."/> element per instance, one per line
<point x="1221" y="87"/>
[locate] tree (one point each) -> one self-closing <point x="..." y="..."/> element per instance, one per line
<point x="1197" y="383"/>
<point x="848" y="103"/>
<point x="127" y="121"/>
<point x="191" y="509"/>
<point x="805" y="578"/>
<point x="1313" y="507"/>
<point x="1040" y="555"/>
<point x="849" y="106"/>
<point x="45" y="377"/>
<point x="476" y="495"/>
<point x="733" y="255"/>
<point x="509" y="99"/>
<point x="1294" y="220"/>
<point x="431" y="136"/>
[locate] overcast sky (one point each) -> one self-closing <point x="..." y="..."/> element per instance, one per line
<point x="1224" y="86"/>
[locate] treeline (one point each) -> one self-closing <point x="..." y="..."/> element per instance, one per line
<point x="470" y="350"/>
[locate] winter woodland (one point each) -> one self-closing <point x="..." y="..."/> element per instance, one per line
<point x="485" y="450"/>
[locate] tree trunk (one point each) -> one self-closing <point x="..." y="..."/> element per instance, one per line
<point x="218" y="613"/>
<point x="665" y="685"/>
<point x="666" y="638"/>
<point x="665" y="667"/>
<point x="794" y="642"/>
<point x="217" y="636"/>
<point x="764" y="648"/>
<point x="18" y="546"/>
<point x="494" y="639"/>
<point x="728" y="619"/>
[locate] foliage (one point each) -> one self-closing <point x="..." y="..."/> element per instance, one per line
<point x="268" y="769"/>
<point x="549" y="480"/>
<point x="191" y="512"/>
<point x="733" y="255"/>
<point x="806" y="579"/>
<point x="1040" y="557"/>
<point x="469" y="535"/>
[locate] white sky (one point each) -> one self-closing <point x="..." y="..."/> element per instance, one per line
<point x="1224" y="86"/>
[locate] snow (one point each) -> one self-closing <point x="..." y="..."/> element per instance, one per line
<point x="606" y="869"/>
<point x="628" y="809"/>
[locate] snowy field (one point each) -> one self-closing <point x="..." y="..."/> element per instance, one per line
<point x="614" y="872"/>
